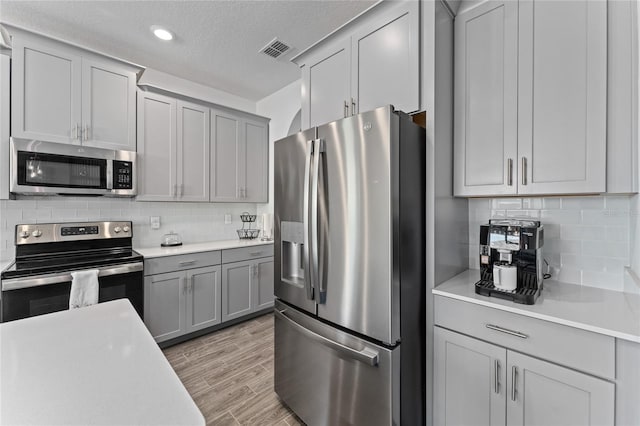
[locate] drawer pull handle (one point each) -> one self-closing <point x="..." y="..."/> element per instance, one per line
<point x="496" y="383"/>
<point x="187" y="262"/>
<point x="507" y="331"/>
<point x="255" y="253"/>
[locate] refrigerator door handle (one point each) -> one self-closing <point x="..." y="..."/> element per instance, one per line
<point x="308" y="274"/>
<point x="366" y="355"/>
<point x="318" y="150"/>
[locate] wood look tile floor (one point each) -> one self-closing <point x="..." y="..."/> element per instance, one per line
<point x="229" y="374"/>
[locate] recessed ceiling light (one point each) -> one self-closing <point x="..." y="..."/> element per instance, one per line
<point x="162" y="33"/>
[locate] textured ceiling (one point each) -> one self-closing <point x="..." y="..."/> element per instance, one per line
<point x="216" y="42"/>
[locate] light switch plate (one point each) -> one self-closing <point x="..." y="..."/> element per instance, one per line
<point x="155" y="222"/>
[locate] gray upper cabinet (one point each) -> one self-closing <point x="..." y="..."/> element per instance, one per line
<point x="193" y="152"/>
<point x="486" y="96"/>
<point x="547" y="394"/>
<point x="470" y="381"/>
<point x="239" y="158"/>
<point x="371" y="62"/>
<point x="385" y="61"/>
<point x="530" y="98"/>
<point x="327" y="97"/>
<point x="46" y="99"/>
<point x="157" y="147"/>
<point x="108" y="106"/>
<point x="173" y="149"/>
<point x="562" y="96"/>
<point x="61" y="96"/>
<point x="226" y="154"/>
<point x="256" y="161"/>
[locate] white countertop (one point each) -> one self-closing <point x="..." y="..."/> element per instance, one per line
<point x="149" y="252"/>
<point x="4" y="264"/>
<point x="602" y="311"/>
<point x="94" y="365"/>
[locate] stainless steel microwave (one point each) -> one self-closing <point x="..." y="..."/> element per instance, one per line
<point x="45" y="168"/>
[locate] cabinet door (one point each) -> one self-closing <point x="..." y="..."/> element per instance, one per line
<point x="203" y="298"/>
<point x="236" y="290"/>
<point x="256" y="164"/>
<point x="562" y="103"/>
<point x="385" y="61"/>
<point x="45" y="93"/>
<point x="164" y="305"/>
<point x="326" y="88"/>
<point x="227" y="150"/>
<point x="485" y="99"/>
<point x="157" y="148"/>
<point x="108" y="106"/>
<point x="193" y="152"/>
<point x="262" y="280"/>
<point x="547" y="394"/>
<point x="470" y="381"/>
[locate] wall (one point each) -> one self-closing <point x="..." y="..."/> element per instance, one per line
<point x="587" y="239"/>
<point x="282" y="107"/>
<point x="195" y="222"/>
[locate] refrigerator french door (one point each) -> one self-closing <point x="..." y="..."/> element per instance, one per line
<point x="349" y="253"/>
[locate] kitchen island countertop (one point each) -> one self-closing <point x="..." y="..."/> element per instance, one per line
<point x="151" y="252"/>
<point x="94" y="365"/>
<point x="593" y="309"/>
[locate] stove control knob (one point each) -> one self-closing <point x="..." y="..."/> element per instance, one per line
<point x="117" y="229"/>
<point x="126" y="229"/>
<point x="25" y="234"/>
<point x="37" y="233"/>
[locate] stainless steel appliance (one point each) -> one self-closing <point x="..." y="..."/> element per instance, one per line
<point x="39" y="281"/>
<point x="507" y="244"/>
<point x="350" y="275"/>
<point x="44" y="168"/>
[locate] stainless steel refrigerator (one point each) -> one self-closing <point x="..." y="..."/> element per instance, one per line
<point x="350" y="271"/>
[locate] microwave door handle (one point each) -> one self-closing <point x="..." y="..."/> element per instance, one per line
<point x="109" y="176"/>
<point x="308" y="275"/>
<point x="27" y="282"/>
<point x="318" y="150"/>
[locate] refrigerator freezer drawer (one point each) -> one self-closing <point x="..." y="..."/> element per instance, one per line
<point x="329" y="377"/>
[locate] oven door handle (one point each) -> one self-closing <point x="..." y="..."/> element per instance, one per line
<point x="26" y="282"/>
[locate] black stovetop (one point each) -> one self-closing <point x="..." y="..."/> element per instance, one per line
<point x="68" y="261"/>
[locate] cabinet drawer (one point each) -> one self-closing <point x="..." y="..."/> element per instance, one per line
<point x="159" y="265"/>
<point x="574" y="348"/>
<point x="247" y="253"/>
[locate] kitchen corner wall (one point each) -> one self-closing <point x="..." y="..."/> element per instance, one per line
<point x="282" y="107"/>
<point x="195" y="222"/>
<point x="588" y="240"/>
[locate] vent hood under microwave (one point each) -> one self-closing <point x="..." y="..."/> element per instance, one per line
<point x="45" y="168"/>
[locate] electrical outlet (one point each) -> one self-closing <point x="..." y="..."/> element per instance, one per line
<point x="155" y="222"/>
<point x="227" y="219"/>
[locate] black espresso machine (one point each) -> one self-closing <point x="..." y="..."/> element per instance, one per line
<point x="513" y="245"/>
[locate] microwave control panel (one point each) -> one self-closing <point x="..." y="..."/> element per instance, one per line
<point x="122" y="174"/>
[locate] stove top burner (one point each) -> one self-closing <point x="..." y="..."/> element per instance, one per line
<point x="61" y="262"/>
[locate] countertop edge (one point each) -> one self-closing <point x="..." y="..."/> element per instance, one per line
<point x="550" y="318"/>
<point x="153" y="252"/>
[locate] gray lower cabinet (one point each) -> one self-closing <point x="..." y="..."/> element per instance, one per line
<point x="247" y="287"/>
<point x="181" y="302"/>
<point x="478" y="383"/>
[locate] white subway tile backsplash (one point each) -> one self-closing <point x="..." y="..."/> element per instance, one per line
<point x="196" y="222"/>
<point x="587" y="238"/>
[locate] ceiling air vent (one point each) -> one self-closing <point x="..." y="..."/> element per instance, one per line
<point x="275" y="48"/>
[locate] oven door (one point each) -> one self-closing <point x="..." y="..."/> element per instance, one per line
<point x="43" y="294"/>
